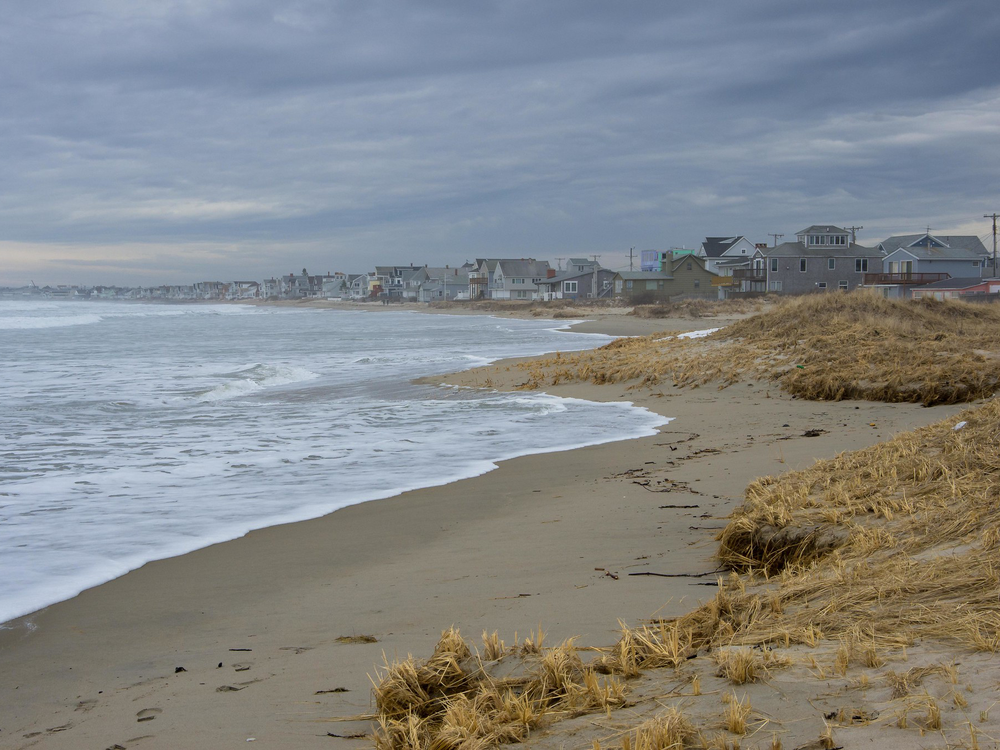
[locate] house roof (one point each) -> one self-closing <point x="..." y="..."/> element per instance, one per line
<point x="823" y="229"/>
<point x="526" y="268"/>
<point x="678" y="259"/>
<point x="798" y="250"/>
<point x="961" y="247"/>
<point x="959" y="283"/>
<point x="716" y="246"/>
<point x="454" y="275"/>
<point x="644" y="275"/>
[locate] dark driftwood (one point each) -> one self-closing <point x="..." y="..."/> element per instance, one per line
<point x="677" y="575"/>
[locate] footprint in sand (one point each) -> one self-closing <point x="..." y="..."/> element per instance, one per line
<point x="148" y="714"/>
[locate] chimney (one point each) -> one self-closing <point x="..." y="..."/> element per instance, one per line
<point x="550" y="273"/>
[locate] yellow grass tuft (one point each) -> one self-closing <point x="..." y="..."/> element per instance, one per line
<point x="736" y="714"/>
<point x="668" y="731"/>
<point x="452" y="700"/>
<point x="743" y="665"/>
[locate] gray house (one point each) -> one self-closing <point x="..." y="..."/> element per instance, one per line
<point x="582" y="279"/>
<point x="518" y="279"/>
<point x="917" y="259"/>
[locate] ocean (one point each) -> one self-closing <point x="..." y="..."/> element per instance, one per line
<point x="133" y="432"/>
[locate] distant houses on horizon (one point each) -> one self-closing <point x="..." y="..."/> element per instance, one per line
<point x="823" y="257"/>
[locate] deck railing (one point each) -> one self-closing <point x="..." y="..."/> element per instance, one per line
<point x="873" y="279"/>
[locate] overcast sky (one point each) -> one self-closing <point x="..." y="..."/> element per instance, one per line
<point x="171" y="141"/>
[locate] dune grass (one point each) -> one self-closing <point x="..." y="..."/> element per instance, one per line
<point x="459" y="700"/>
<point x="830" y="346"/>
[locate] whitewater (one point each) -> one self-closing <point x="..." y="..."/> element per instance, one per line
<point x="134" y="432"/>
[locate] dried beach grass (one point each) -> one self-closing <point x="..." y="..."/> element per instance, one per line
<point x="453" y="700"/>
<point x="830" y="346"/>
<point x="668" y="731"/>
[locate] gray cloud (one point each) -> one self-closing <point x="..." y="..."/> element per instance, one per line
<point x="272" y="135"/>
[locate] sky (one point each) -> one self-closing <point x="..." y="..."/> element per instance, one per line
<point x="173" y="141"/>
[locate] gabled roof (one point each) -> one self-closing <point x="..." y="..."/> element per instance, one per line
<point x="798" y="250"/>
<point x="823" y="229"/>
<point x="678" y="259"/>
<point x="961" y="247"/>
<point x="526" y="268"/>
<point x="716" y="246"/>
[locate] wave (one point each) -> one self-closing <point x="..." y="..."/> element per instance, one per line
<point x="32" y="322"/>
<point x="254" y="378"/>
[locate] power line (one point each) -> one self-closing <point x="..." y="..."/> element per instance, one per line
<point x="854" y="234"/>
<point x="776" y="238"/>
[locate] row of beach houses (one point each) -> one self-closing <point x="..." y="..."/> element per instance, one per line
<point x="823" y="257"/>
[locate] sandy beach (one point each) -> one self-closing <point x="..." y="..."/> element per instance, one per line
<point x="258" y="638"/>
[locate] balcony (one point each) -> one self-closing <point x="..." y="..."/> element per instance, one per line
<point x="750" y="274"/>
<point x="914" y="279"/>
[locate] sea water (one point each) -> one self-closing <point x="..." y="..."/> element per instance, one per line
<point x="133" y="432"/>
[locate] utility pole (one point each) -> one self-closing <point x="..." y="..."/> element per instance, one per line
<point x="994" y="217"/>
<point x="559" y="261"/>
<point x="776" y="238"/>
<point x="631" y="255"/>
<point x="595" y="257"/>
<point x="854" y="234"/>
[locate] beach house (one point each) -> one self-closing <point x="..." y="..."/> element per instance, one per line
<point x="914" y="260"/>
<point x="718" y="250"/>
<point x="518" y="279"/>
<point x="582" y="279"/>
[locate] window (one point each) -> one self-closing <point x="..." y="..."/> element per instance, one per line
<point x="569" y="287"/>
<point x="861" y="265"/>
<point x="517" y="281"/>
<point x="743" y="251"/>
<point x="802" y="265"/>
<point x="651" y="286"/>
<point x="831" y="263"/>
<point x="690" y="265"/>
<point x="775" y="286"/>
<point x="629" y="284"/>
<point x="697" y="283"/>
<point x="774" y="265"/>
<point x="618" y="286"/>
<point x="821" y="284"/>
<point x="520" y="294"/>
<point x="842" y="285"/>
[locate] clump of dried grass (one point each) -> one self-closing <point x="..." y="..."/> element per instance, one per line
<point x="831" y="346"/>
<point x="743" y="665"/>
<point x="454" y="700"/>
<point x="670" y="730"/>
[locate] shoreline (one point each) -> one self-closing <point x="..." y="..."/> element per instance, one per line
<point x="480" y="553"/>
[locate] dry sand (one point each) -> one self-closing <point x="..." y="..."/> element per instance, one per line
<point x="239" y="641"/>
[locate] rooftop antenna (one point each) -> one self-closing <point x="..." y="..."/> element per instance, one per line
<point x="776" y="238"/>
